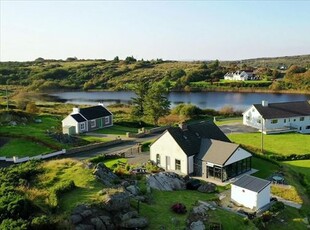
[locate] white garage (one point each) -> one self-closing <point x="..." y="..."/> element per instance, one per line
<point x="251" y="192"/>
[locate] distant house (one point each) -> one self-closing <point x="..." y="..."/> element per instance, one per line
<point x="87" y="119"/>
<point x="240" y="76"/>
<point x="279" y="117"/>
<point x="200" y="149"/>
<point x="251" y="192"/>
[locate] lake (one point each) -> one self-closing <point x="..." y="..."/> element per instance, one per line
<point x="211" y="100"/>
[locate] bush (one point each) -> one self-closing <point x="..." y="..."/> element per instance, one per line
<point x="179" y="208"/>
<point x="277" y="206"/>
<point x="266" y="216"/>
<point x="41" y="222"/>
<point x="10" y="224"/>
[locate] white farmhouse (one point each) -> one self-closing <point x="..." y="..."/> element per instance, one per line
<point x="200" y="149"/>
<point x="251" y="192"/>
<point x="239" y="76"/>
<point x="279" y="117"/>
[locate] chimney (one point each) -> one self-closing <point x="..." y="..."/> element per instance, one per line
<point x="183" y="126"/>
<point x="76" y="110"/>
<point x="265" y="103"/>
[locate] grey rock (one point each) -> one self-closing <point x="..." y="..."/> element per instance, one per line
<point x="207" y="188"/>
<point x="134" y="190"/>
<point x="104" y="174"/>
<point x="116" y="202"/>
<point x="134" y="223"/>
<point x="84" y="227"/>
<point x="125" y="184"/>
<point x="201" y="209"/>
<point x="166" y="181"/>
<point x="86" y="213"/>
<point x="198" y="225"/>
<point x="76" y="219"/>
<point x="107" y="222"/>
<point x="97" y="222"/>
<point x="129" y="215"/>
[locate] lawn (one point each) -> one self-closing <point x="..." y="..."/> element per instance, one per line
<point x="279" y="144"/>
<point x="300" y="166"/>
<point x="226" y="121"/>
<point x="110" y="162"/>
<point x="265" y="168"/>
<point x="117" y="130"/>
<point x="23" y="148"/>
<point x="95" y="139"/>
<point x="159" y="213"/>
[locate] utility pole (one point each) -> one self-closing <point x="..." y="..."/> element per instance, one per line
<point x="262" y="142"/>
<point x="7" y="98"/>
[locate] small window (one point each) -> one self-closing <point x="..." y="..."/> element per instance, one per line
<point x="308" y="127"/>
<point x="259" y="121"/>
<point x="93" y="123"/>
<point x="158" y="159"/>
<point x="294" y="119"/>
<point x="284" y="120"/>
<point x="274" y="121"/>
<point x="82" y="126"/>
<point x="177" y="164"/>
<point x="302" y="118"/>
<point x="107" y="120"/>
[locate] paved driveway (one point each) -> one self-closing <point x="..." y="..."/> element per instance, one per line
<point x="237" y="128"/>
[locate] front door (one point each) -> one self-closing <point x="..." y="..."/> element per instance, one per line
<point x="100" y="123"/>
<point x="167" y="163"/>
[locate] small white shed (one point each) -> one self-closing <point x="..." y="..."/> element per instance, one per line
<point x="251" y="192"/>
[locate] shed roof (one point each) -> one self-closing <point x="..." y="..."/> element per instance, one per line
<point x="284" y="109"/>
<point x="252" y="183"/>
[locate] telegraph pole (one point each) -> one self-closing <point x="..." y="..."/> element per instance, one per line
<point x="7" y="98"/>
<point x="262" y="142"/>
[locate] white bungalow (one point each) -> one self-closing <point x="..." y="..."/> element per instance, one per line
<point x="279" y="117"/>
<point x="251" y="192"/>
<point x="239" y="76"/>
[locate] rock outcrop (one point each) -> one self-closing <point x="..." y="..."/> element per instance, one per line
<point x="207" y="188"/>
<point x="166" y="181"/>
<point x="104" y="174"/>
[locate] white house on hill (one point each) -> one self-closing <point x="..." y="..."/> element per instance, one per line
<point x="251" y="192"/>
<point x="200" y="149"/>
<point x="239" y="76"/>
<point x="279" y="117"/>
<point x="87" y="119"/>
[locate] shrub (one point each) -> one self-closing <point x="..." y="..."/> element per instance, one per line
<point x="10" y="224"/>
<point x="41" y="222"/>
<point x="245" y="221"/>
<point x="266" y="216"/>
<point x="277" y="206"/>
<point x="179" y="208"/>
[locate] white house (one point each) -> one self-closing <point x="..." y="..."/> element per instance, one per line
<point x="279" y="117"/>
<point x="87" y="119"/>
<point x="251" y="192"/>
<point x="200" y="149"/>
<point x="239" y="76"/>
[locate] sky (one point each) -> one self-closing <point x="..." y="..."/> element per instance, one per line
<point x="171" y="30"/>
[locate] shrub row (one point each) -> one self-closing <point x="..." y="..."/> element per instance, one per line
<point x="291" y="157"/>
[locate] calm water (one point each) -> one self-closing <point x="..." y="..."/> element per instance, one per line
<point x="212" y="100"/>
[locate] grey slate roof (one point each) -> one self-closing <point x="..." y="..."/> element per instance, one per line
<point x="217" y="152"/>
<point x="190" y="139"/>
<point x="284" y="109"/>
<point x="78" y="117"/>
<point x="252" y="183"/>
<point x="94" y="112"/>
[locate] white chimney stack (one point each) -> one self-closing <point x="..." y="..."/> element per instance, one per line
<point x="76" y="110"/>
<point x="265" y="103"/>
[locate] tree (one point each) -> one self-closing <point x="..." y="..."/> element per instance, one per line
<point x="140" y="90"/>
<point x="116" y="59"/>
<point x="32" y="108"/>
<point x="156" y="102"/>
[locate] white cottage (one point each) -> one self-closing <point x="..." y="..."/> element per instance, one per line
<point x="279" y="117"/>
<point x="251" y="192"/>
<point x="239" y="76"/>
<point x="200" y="149"/>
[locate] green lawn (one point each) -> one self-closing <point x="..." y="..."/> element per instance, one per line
<point x="23" y="148"/>
<point x="229" y="121"/>
<point x="110" y="162"/>
<point x="300" y="166"/>
<point x="280" y="144"/>
<point x="96" y="139"/>
<point x="265" y="168"/>
<point x="117" y="130"/>
<point x="159" y="213"/>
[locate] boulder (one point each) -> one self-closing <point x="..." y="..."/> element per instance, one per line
<point x="207" y="188"/>
<point x="84" y="227"/>
<point x="98" y="224"/>
<point x="129" y="215"/>
<point x="134" y="190"/>
<point x="104" y="174"/>
<point x="107" y="222"/>
<point x="86" y="213"/>
<point x="197" y="225"/>
<point x="134" y="223"/>
<point x="75" y="219"/>
<point x="117" y="202"/>
<point x="200" y="209"/>
<point x="166" y="181"/>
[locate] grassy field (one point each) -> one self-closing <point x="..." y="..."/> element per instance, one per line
<point x="265" y="168"/>
<point x="229" y="121"/>
<point x="280" y="144"/>
<point x="159" y="213"/>
<point x="117" y="130"/>
<point x="23" y="148"/>
<point x="302" y="166"/>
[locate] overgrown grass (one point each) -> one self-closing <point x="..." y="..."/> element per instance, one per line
<point x="286" y="193"/>
<point x="159" y="213"/>
<point x="279" y="144"/>
<point x="23" y="148"/>
<point x="110" y="162"/>
<point x="96" y="139"/>
<point x="117" y="130"/>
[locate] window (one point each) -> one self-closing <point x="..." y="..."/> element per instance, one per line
<point x="274" y="121"/>
<point x="177" y="164"/>
<point x="158" y="159"/>
<point x="259" y="121"/>
<point x="308" y="127"/>
<point x="93" y="123"/>
<point x="107" y="120"/>
<point x="284" y="120"/>
<point x="302" y="119"/>
<point x="82" y="126"/>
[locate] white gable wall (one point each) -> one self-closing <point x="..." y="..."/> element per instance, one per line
<point x="70" y="121"/>
<point x="252" y="117"/>
<point x="166" y="146"/>
<point x="243" y="196"/>
<point x="238" y="155"/>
